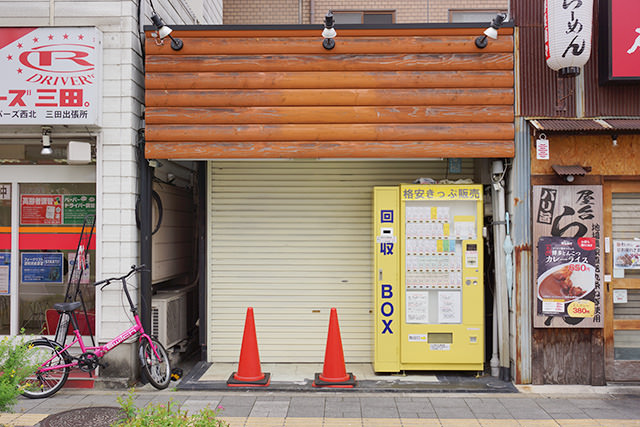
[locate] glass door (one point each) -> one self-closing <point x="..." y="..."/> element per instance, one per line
<point x="622" y="255"/>
<point x="51" y="220"/>
<point x="42" y="212"/>
<point x="5" y="257"/>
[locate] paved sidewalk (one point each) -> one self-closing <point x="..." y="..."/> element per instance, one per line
<point x="533" y="406"/>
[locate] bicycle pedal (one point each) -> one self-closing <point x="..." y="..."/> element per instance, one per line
<point x="103" y="364"/>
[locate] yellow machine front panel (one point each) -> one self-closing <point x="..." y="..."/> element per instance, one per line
<point x="441" y="277"/>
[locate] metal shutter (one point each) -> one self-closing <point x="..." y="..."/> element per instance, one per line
<point x="625" y="223"/>
<point x="293" y="239"/>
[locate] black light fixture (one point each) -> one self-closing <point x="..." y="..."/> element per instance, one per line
<point x="491" y="32"/>
<point x="46" y="141"/>
<point x="329" y="32"/>
<point x="614" y="140"/>
<point x="165" y="31"/>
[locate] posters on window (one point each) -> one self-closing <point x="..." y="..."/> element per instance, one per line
<point x="56" y="209"/>
<point x="567" y="230"/>
<point x="5" y="271"/>
<point x="83" y="272"/>
<point x="42" y="267"/>
<point x="626" y="254"/>
<point x="41" y="209"/>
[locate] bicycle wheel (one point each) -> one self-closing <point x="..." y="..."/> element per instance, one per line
<point x="156" y="369"/>
<point x="45" y="383"/>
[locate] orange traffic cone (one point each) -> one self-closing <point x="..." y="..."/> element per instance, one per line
<point x="249" y="371"/>
<point x="334" y="373"/>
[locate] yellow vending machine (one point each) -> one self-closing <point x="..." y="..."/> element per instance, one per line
<point x="428" y="278"/>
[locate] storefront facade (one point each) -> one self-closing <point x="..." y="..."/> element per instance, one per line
<point x="51" y="117"/>
<point x="68" y="87"/>
<point x="581" y="136"/>
<point x="295" y="137"/>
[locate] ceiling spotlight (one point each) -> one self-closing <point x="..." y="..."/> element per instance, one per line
<point x="491" y="32"/>
<point x="46" y="141"/>
<point x="329" y="32"/>
<point x="165" y="31"/>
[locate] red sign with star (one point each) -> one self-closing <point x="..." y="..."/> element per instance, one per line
<point x="51" y="75"/>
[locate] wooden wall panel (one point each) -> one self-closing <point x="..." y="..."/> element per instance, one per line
<point x="395" y="93"/>
<point x="596" y="151"/>
<point x="338" y="62"/>
<point x="330" y="114"/>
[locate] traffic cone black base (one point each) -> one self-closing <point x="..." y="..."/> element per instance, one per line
<point x="233" y="382"/>
<point x="249" y="373"/>
<point x="348" y="383"/>
<point x="334" y="373"/>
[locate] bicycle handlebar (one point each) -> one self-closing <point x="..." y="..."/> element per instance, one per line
<point x="134" y="269"/>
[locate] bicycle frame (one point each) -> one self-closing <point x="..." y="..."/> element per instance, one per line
<point x="101" y="350"/>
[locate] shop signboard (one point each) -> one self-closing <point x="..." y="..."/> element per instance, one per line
<point x="619" y="41"/>
<point x="567" y="229"/>
<point x="50" y="75"/>
<point x="42" y="267"/>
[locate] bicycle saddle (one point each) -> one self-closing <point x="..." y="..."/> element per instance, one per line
<point x="63" y="307"/>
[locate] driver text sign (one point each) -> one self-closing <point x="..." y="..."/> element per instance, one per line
<point x="50" y="75"/>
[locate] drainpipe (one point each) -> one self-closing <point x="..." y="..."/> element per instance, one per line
<point x="300" y="11"/>
<point x="312" y="7"/>
<point x="500" y="294"/>
<point x="203" y="315"/>
<point x="145" y="215"/>
<point x="495" y="359"/>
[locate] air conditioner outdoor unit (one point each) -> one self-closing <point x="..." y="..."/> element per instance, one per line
<point x="169" y="317"/>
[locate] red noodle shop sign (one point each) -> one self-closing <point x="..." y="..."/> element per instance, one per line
<point x="568" y="280"/>
<point x="619" y="22"/>
<point x="50" y="75"/>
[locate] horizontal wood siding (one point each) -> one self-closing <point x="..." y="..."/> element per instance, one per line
<point x="390" y="93"/>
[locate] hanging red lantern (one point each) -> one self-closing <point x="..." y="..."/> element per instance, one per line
<point x="567" y="34"/>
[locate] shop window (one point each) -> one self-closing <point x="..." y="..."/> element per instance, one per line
<point x="473" y="15"/>
<point x="5" y="257"/>
<point x="52" y="216"/>
<point x="16" y="152"/>
<point x="364" y="17"/>
<point x="626" y="274"/>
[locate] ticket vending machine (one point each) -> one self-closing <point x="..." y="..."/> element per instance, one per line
<point x="428" y="278"/>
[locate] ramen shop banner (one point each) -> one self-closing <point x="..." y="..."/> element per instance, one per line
<point x="568" y="288"/>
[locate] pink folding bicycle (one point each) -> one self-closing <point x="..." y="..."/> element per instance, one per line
<point x="56" y="362"/>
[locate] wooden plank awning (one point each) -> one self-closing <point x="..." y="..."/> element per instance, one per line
<point x="389" y="93"/>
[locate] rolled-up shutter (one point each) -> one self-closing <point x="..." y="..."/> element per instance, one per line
<point x="293" y="239"/>
<point x="625" y="224"/>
